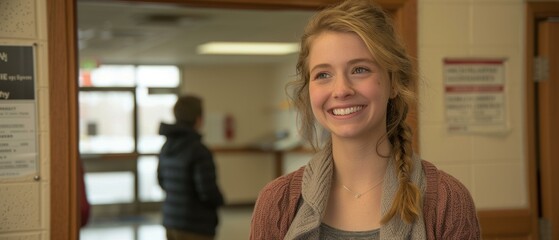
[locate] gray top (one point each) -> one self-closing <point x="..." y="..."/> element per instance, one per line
<point x="330" y="233"/>
<point x="315" y="190"/>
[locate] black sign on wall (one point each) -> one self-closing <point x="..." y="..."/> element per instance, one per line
<point x="17" y="76"/>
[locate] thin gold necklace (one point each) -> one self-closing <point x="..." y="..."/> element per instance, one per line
<point x="358" y="195"/>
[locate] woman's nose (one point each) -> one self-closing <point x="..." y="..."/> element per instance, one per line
<point x="342" y="87"/>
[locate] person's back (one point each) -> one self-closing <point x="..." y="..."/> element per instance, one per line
<point x="187" y="174"/>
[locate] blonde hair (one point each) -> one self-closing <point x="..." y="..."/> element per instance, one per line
<point x="366" y="19"/>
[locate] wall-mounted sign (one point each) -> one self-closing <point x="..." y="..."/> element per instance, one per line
<point x="475" y="95"/>
<point x="18" y="136"/>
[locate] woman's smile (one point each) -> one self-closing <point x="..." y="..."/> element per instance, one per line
<point x="346" y="110"/>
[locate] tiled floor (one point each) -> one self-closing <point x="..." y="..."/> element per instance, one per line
<point x="234" y="225"/>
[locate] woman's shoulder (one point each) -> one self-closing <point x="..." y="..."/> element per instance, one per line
<point x="445" y="184"/>
<point x="449" y="208"/>
<point x="276" y="206"/>
<point x="284" y="184"/>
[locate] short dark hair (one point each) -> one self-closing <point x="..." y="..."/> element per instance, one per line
<point x="187" y="109"/>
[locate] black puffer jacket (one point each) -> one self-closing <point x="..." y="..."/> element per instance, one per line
<point x="187" y="173"/>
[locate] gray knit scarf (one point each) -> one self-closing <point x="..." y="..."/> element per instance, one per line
<point x="317" y="180"/>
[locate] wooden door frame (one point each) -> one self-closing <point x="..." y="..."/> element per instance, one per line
<point x="63" y="91"/>
<point x="63" y="118"/>
<point x="534" y="11"/>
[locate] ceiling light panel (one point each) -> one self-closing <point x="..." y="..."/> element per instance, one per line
<point x="248" y="48"/>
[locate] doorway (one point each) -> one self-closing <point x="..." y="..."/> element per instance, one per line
<point x="542" y="84"/>
<point x="143" y="56"/>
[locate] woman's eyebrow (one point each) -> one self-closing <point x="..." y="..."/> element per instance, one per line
<point x="353" y="61"/>
<point x="358" y="60"/>
<point x="323" y="65"/>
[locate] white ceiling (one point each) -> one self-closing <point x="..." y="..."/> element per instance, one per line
<point x="140" y="33"/>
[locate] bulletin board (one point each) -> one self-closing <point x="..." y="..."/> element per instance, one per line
<point x="18" y="123"/>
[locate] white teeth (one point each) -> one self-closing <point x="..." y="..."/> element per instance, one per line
<point x="346" y="111"/>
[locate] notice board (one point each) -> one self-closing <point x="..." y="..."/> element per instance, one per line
<point x="18" y="123"/>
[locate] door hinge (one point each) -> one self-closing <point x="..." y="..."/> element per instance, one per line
<point x="541" y="69"/>
<point x="545" y="229"/>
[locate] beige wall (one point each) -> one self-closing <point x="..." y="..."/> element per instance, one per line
<point x="24" y="203"/>
<point x="242" y="175"/>
<point x="244" y="91"/>
<point x="492" y="166"/>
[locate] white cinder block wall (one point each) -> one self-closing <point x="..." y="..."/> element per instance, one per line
<point x="492" y="166"/>
<point x="24" y="203"/>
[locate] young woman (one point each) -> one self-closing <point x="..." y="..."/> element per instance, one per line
<point x="364" y="182"/>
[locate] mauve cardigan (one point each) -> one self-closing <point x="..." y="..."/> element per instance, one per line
<point x="448" y="208"/>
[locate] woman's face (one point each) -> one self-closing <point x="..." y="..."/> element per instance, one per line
<point x="348" y="90"/>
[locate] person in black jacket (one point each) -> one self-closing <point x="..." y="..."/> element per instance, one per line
<point x="187" y="174"/>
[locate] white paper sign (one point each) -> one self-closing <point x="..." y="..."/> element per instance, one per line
<point x="475" y="95"/>
<point x="18" y="154"/>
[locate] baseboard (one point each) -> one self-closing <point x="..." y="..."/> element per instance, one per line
<point x="505" y="224"/>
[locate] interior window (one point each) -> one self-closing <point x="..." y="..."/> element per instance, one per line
<point x="121" y="108"/>
<point x="106" y="119"/>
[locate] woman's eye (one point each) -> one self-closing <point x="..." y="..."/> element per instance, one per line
<point x="322" y="75"/>
<point x="360" y="70"/>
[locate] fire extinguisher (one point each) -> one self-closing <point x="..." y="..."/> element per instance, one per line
<point x="229" y="127"/>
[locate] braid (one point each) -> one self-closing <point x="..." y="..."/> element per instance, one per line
<point x="407" y="199"/>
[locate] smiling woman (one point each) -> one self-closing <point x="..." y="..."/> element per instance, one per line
<point x="356" y="81"/>
<point x="62" y="95"/>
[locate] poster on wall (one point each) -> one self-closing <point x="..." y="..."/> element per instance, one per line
<point x="474" y="92"/>
<point x="18" y="136"/>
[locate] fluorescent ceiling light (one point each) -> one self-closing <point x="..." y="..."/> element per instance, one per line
<point x="248" y="48"/>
